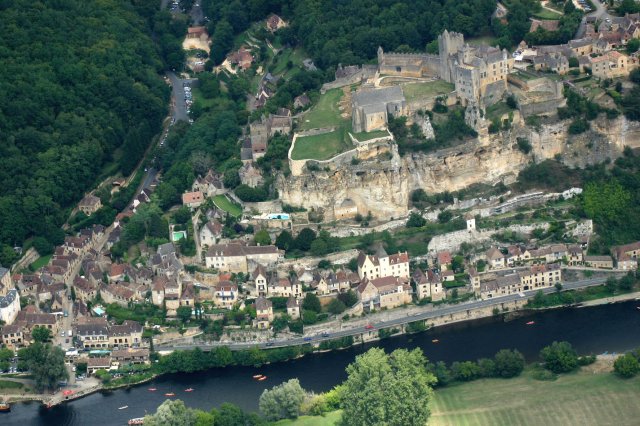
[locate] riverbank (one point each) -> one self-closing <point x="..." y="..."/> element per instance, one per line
<point x="592" y="395"/>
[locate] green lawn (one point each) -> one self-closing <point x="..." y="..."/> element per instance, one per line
<point x="322" y="147"/>
<point x="575" y="399"/>
<point x="365" y="136"/>
<point x="227" y="205"/>
<point x="497" y="110"/>
<point x="325" y="113"/>
<point x="198" y="98"/>
<point x="547" y="14"/>
<point x="6" y="384"/>
<point x="40" y="262"/>
<point x="582" y="398"/>
<point x="328" y="420"/>
<point x="425" y="90"/>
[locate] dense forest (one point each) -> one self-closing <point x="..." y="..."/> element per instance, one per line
<point x="81" y="94"/>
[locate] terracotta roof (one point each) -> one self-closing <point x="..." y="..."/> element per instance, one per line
<point x="444" y="258"/>
<point x="192" y="197"/>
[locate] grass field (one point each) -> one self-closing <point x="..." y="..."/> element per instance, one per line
<point x="40" y="262"/>
<point x="322" y="147"/>
<point x="365" y="136"/>
<point x="325" y="113"/>
<point x="6" y="384"/>
<point x="328" y="420"/>
<point x="227" y="205"/>
<point x="547" y="14"/>
<point x="425" y="90"/>
<point x="582" y="398"/>
<point x="575" y="399"/>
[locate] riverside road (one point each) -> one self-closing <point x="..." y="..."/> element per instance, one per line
<point x="402" y="318"/>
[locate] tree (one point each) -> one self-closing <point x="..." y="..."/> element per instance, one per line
<point x="45" y="363"/>
<point x="324" y="264"/>
<point x="41" y="334"/>
<point x="626" y="366"/>
<point x="390" y="389"/>
<point x="559" y="357"/>
<point x="336" y="307"/>
<point x="416" y="221"/>
<point x="304" y="239"/>
<point x="319" y="247"/>
<point x="285" y="241"/>
<point x="465" y="371"/>
<point x="171" y="413"/>
<point x="311" y="303"/>
<point x="508" y="363"/>
<point x="282" y="401"/>
<point x="349" y="298"/>
<point x="445" y="216"/>
<point x="573" y="62"/>
<point x="262" y="238"/>
<point x="184" y="313"/>
<point x="611" y="284"/>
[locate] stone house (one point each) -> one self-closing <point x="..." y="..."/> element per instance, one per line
<point x="495" y="258"/>
<point x="540" y="276"/>
<point x="428" y="285"/>
<point x="211" y="184"/>
<point x="13" y="337"/>
<point x="626" y="263"/>
<point x="604" y="262"/>
<point x="98" y="363"/>
<point x="234" y="257"/>
<point x="474" y="279"/>
<point x="116" y="293"/>
<point x="284" y="287"/>
<point x="129" y="356"/>
<point x="293" y="307"/>
<point x="632" y="250"/>
<point x="302" y="101"/>
<point x="610" y="65"/>
<point x="89" y="204"/>
<point x="192" y="199"/>
<point x="274" y="23"/>
<point x="250" y="175"/>
<point x="93" y="333"/>
<point x="128" y="334"/>
<point x="575" y="255"/>
<point x="383" y="265"/>
<point x="384" y="293"/>
<point x="260" y="280"/>
<point x="225" y="294"/>
<point x="9" y="304"/>
<point x="210" y="233"/>
<point x="264" y="312"/>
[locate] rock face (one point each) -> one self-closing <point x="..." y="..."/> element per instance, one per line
<point x="383" y="187"/>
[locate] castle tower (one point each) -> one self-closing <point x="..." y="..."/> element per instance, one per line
<point x="449" y="43"/>
<point x="380" y="57"/>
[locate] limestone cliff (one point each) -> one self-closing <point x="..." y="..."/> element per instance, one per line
<point x="384" y="187"/>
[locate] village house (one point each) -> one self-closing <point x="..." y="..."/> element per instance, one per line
<point x="9" y="298"/>
<point x="293" y="308"/>
<point x="610" y="65"/>
<point x="210" y="233"/>
<point x="129" y="356"/>
<point x="93" y="333"/>
<point x="128" y="334"/>
<point x="192" y="199"/>
<point x="383" y="265"/>
<point x="383" y="293"/>
<point x="302" y="101"/>
<point x="225" y="294"/>
<point x="250" y="175"/>
<point x="428" y="285"/>
<point x="444" y="259"/>
<point x="234" y="257"/>
<point x="97" y="363"/>
<point x="575" y="255"/>
<point x="540" y="276"/>
<point x="89" y="204"/>
<point x="260" y="278"/>
<point x="211" y="184"/>
<point x="12" y="336"/>
<point x="284" y="287"/>
<point x="116" y="293"/>
<point x="603" y="262"/>
<point x="495" y="258"/>
<point x="264" y="312"/>
<point x="242" y="58"/>
<point x="625" y="262"/>
<point x="632" y="250"/>
<point x="274" y="23"/>
<point x="474" y="279"/>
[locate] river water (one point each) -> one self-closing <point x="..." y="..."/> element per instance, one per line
<point x="594" y="330"/>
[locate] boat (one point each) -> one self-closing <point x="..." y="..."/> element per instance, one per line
<point x="189" y="390"/>
<point x="169" y="394"/>
<point x="5" y="407"/>
<point x="262" y="378"/>
<point x="637" y="307"/>
<point x="531" y="322"/>
<point x="123" y="407"/>
<point x="136" y="421"/>
<point x="152" y="389"/>
<point x="435" y="341"/>
<point x="257" y="376"/>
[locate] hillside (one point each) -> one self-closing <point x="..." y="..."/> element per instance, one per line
<point x="81" y="91"/>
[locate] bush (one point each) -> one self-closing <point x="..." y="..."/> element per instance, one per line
<point x="416" y="221"/>
<point x="524" y="145"/>
<point x="508" y="363"/>
<point x="465" y="371"/>
<point x="626" y="366"/>
<point x="559" y="357"/>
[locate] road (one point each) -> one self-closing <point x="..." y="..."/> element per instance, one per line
<point x="429" y="313"/>
<point x="600" y="14"/>
<point x="196" y="14"/>
<point x="178" y="106"/>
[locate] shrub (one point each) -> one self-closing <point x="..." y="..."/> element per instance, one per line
<point x="559" y="357"/>
<point x="626" y="366"/>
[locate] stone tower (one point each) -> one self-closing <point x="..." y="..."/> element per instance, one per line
<point x="448" y="45"/>
<point x="380" y="56"/>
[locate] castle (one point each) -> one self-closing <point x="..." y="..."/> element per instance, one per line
<point x="478" y="73"/>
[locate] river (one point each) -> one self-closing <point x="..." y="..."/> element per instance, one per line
<point x="593" y="330"/>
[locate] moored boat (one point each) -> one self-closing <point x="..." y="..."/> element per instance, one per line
<point x="189" y="390"/>
<point x="169" y="394"/>
<point x="257" y="376"/>
<point x="262" y="378"/>
<point x="435" y="341"/>
<point x="123" y="407"/>
<point x="531" y="322"/>
<point x="5" y="407"/>
<point x="152" y="389"/>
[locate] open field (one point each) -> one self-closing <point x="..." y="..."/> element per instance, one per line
<point x="325" y="113"/>
<point x="575" y="399"/>
<point x="414" y="91"/>
<point x="227" y="205"/>
<point x="547" y="14"/>
<point x="40" y="262"/>
<point x="7" y="384"/>
<point x="328" y="420"/>
<point x="365" y="136"/>
<point x="322" y="147"/>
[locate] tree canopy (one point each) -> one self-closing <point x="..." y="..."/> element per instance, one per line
<point x="45" y="363"/>
<point x="392" y="389"/>
<point x="80" y="90"/>
<point x="282" y="401"/>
